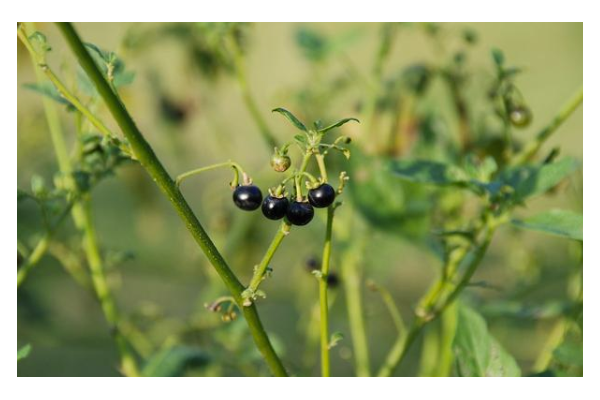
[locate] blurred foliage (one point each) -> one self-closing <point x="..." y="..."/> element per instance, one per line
<point x="440" y="120"/>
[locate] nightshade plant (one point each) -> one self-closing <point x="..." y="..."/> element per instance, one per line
<point x="411" y="178"/>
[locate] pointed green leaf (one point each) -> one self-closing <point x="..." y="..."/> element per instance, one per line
<point x="532" y="180"/>
<point x="104" y="60"/>
<point x="477" y="352"/>
<point x="47" y="89"/>
<point x="431" y="172"/>
<point x="563" y="223"/>
<point x="336" y="337"/>
<point x="23" y="352"/>
<point x="498" y="57"/>
<point x="291" y="117"/>
<point x="339" y="123"/>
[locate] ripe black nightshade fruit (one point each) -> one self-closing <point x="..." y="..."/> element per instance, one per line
<point x="322" y="196"/>
<point x="247" y="197"/>
<point x="300" y="213"/>
<point x="275" y="207"/>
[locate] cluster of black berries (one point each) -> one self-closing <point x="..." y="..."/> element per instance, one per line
<point x="249" y="198"/>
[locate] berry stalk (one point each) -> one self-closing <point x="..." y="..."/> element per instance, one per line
<point x="324" y="304"/>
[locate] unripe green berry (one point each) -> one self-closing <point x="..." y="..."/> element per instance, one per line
<point x="520" y="116"/>
<point x="280" y="162"/>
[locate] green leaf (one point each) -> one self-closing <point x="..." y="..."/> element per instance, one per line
<point x="570" y="354"/>
<point x="498" y="57"/>
<point x="301" y="139"/>
<point x="175" y="361"/>
<point x="23" y="352"/>
<point x="313" y="44"/>
<point x="430" y="172"/>
<point x="532" y="180"/>
<point x="477" y="352"/>
<point x="339" y="123"/>
<point x="47" y="89"/>
<point x="336" y="337"/>
<point x="291" y="117"/>
<point x="99" y="54"/>
<point x="562" y="223"/>
<point x="387" y="203"/>
<point x="108" y="61"/>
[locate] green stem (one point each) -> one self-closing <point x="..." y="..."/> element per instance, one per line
<point x="300" y="174"/>
<point x="40" y="61"/>
<point x="404" y="342"/>
<point x="532" y="148"/>
<point x="460" y="106"/>
<point x="81" y="215"/>
<point x="352" y="285"/>
<point x="236" y="167"/>
<point x="240" y="72"/>
<point x="148" y="159"/>
<point x="321" y="162"/>
<point x="33" y="259"/>
<point x="102" y="289"/>
<point x="388" y="300"/>
<point x="324" y="305"/>
<point x="261" y="268"/>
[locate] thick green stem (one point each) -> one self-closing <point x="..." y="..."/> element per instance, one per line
<point x="532" y="148"/>
<point x="261" y="268"/>
<point x="148" y="159"/>
<point x="324" y="304"/>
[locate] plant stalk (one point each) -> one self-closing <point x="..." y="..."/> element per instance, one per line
<point x="324" y="304"/>
<point x="404" y="342"/>
<point x="81" y="213"/>
<point x="532" y="148"/>
<point x="150" y="162"/>
<point x="259" y="273"/>
<point x="354" y="303"/>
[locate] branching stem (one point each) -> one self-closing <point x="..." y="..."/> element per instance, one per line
<point x="148" y="159"/>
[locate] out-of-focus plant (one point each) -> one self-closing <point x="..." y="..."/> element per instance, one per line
<point x="445" y="183"/>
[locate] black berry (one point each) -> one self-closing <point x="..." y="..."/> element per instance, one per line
<point x="247" y="197"/>
<point x="300" y="213"/>
<point x="275" y="207"/>
<point x="322" y="197"/>
<point x="332" y="280"/>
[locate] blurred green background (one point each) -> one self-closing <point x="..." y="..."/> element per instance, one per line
<point x="164" y="286"/>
